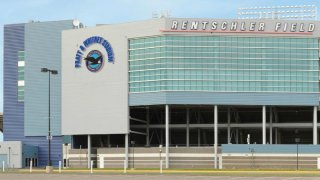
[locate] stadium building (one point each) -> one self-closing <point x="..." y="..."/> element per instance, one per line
<point x="195" y="93"/>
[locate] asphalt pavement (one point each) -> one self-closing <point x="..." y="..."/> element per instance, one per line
<point x="40" y="176"/>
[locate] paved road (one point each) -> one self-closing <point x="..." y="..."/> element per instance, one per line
<point x="26" y="176"/>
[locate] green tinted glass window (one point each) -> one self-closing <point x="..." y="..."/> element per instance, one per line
<point x="223" y="63"/>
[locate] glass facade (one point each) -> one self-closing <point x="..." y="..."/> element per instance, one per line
<point x="223" y="64"/>
<point x="21" y="62"/>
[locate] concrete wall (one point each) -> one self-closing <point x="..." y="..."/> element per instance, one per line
<point x="229" y="157"/>
<point x="79" y="158"/>
<point x="180" y="157"/>
<point x="269" y="161"/>
<point x="258" y="156"/>
<point x="13" y="152"/>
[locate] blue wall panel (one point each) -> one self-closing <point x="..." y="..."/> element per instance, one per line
<point x="14" y="110"/>
<point x="43" y="50"/>
<point x="224" y="98"/>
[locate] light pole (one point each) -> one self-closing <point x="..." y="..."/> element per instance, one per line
<point x="9" y="160"/>
<point x="297" y="142"/>
<point x="53" y="72"/>
<point x="132" y="143"/>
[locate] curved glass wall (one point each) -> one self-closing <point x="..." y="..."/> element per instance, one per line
<point x="223" y="64"/>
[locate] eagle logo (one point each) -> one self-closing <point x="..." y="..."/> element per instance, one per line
<point x="94" y="61"/>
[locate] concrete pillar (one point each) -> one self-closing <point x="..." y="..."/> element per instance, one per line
<point x="270" y="126"/>
<point x="237" y="136"/>
<point x="264" y="134"/>
<point x="229" y="119"/>
<point x="215" y="136"/>
<point x="126" y="150"/>
<point x="237" y="129"/>
<point x="188" y="128"/>
<point x="167" y="136"/>
<point x="199" y="139"/>
<point x="276" y="130"/>
<point x="108" y="140"/>
<point x="89" y="150"/>
<point x="275" y="135"/>
<point x="148" y="129"/>
<point x="315" y="124"/>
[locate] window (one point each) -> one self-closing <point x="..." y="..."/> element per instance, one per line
<point x="21" y="64"/>
<point x="223" y="63"/>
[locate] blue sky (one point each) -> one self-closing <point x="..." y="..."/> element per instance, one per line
<point x="92" y="12"/>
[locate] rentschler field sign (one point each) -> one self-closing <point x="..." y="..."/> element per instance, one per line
<point x="241" y="26"/>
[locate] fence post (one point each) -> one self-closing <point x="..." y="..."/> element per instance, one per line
<point x="124" y="167"/>
<point x="59" y="166"/>
<point x="91" y="166"/>
<point x="30" y="166"/>
<point x="160" y="166"/>
<point x="2" y="166"/>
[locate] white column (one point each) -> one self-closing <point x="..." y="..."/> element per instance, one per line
<point x="126" y="150"/>
<point x="237" y="135"/>
<point x="229" y="118"/>
<point x="276" y="130"/>
<point x="275" y="135"/>
<point x="199" y="138"/>
<point x="167" y="136"/>
<point x="108" y="139"/>
<point x="270" y="126"/>
<point x="315" y="124"/>
<point x="148" y="122"/>
<point x="215" y="136"/>
<point x="237" y="129"/>
<point x="264" y="125"/>
<point x="89" y="150"/>
<point x="188" y="128"/>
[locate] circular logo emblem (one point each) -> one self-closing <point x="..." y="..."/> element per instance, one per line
<point x="94" y="61"/>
